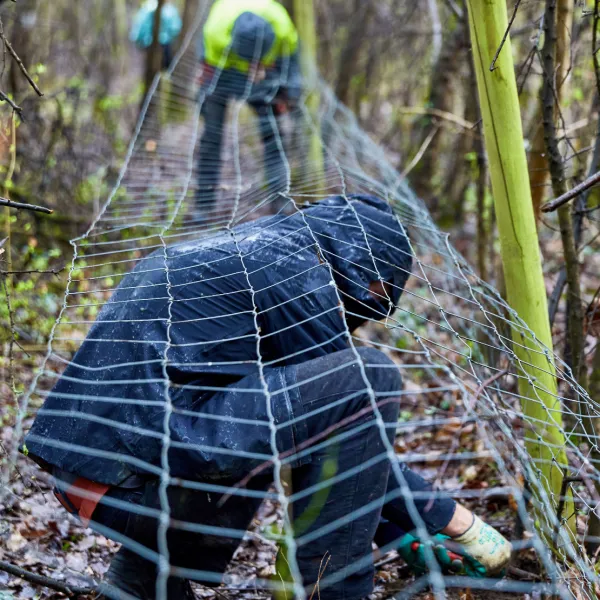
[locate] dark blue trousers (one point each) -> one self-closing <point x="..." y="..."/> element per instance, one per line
<point x="214" y="110"/>
<point x="341" y="482"/>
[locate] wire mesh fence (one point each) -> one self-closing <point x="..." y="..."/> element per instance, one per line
<point x="195" y="300"/>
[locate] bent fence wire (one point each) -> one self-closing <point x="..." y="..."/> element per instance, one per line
<point x="451" y="335"/>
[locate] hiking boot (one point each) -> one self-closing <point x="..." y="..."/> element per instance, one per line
<point x="136" y="577"/>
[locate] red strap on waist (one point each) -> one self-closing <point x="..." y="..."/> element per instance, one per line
<point x="84" y="495"/>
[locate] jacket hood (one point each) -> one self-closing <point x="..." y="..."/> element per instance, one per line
<point x="253" y="37"/>
<point x="364" y="242"/>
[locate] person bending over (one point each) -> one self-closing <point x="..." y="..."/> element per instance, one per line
<point x="249" y="50"/>
<point x="211" y="357"/>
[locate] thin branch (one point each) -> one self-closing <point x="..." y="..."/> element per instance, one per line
<point x="455" y="9"/>
<point x="595" y="47"/>
<point x="15" y="107"/>
<point x="436" y="112"/>
<point x="23" y="206"/>
<point x="31" y="271"/>
<point x="493" y="65"/>
<point x="488" y="382"/>
<point x="48" y="582"/>
<point x="20" y="63"/>
<point x="419" y="155"/>
<point x="578" y="189"/>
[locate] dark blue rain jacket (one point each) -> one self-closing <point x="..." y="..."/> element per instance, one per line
<point x="197" y="323"/>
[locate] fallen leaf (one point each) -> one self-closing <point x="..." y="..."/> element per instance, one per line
<point x="76" y="561"/>
<point x="16" y="542"/>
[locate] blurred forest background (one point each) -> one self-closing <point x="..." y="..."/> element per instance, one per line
<point x="404" y="68"/>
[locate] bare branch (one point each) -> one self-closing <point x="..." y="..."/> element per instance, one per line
<point x="32" y="271"/>
<point x="419" y="155"/>
<point x="19" y="62"/>
<point x="23" y="206"/>
<point x="48" y="582"/>
<point x="15" y="107"/>
<point x="578" y="189"/>
<point x="435" y="112"/>
<point x="493" y="65"/>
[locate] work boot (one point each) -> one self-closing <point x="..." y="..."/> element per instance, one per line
<point x="136" y="577"/>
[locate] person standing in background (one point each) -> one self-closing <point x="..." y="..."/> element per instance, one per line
<point x="249" y="50"/>
<point x="170" y="28"/>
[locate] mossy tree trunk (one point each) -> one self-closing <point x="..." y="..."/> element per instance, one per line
<point x="304" y="15"/>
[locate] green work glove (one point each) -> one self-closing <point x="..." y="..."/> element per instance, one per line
<point x="451" y="557"/>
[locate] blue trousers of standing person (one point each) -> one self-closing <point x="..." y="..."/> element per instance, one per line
<point x="322" y="421"/>
<point x="214" y="108"/>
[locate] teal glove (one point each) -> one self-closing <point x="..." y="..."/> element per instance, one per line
<point x="451" y="557"/>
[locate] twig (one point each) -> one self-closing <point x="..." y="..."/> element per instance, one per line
<point x="20" y="63"/>
<point x="48" y="582"/>
<point x="322" y="568"/>
<point x="488" y="382"/>
<point x="561" y="505"/>
<point x="436" y="112"/>
<point x="522" y="574"/>
<point x="15" y="107"/>
<point x="32" y="271"/>
<point x="493" y="65"/>
<point x="455" y="9"/>
<point x="13" y="336"/>
<point x="23" y="206"/>
<point x="578" y="189"/>
<point x="596" y="58"/>
<point x="419" y="155"/>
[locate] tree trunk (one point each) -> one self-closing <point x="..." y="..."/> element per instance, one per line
<point x="304" y="13"/>
<point x="538" y="161"/>
<point x="538" y="167"/>
<point x="575" y="316"/>
<point x="441" y="96"/>
<point x="544" y="439"/>
<point x="348" y="65"/>
<point x="154" y="53"/>
<point x="190" y="11"/>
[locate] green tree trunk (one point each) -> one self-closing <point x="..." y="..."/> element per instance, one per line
<point x="525" y="288"/>
<point x="304" y="15"/>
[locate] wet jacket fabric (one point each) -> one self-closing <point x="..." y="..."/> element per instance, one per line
<point x="191" y="331"/>
<point x="143" y="24"/>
